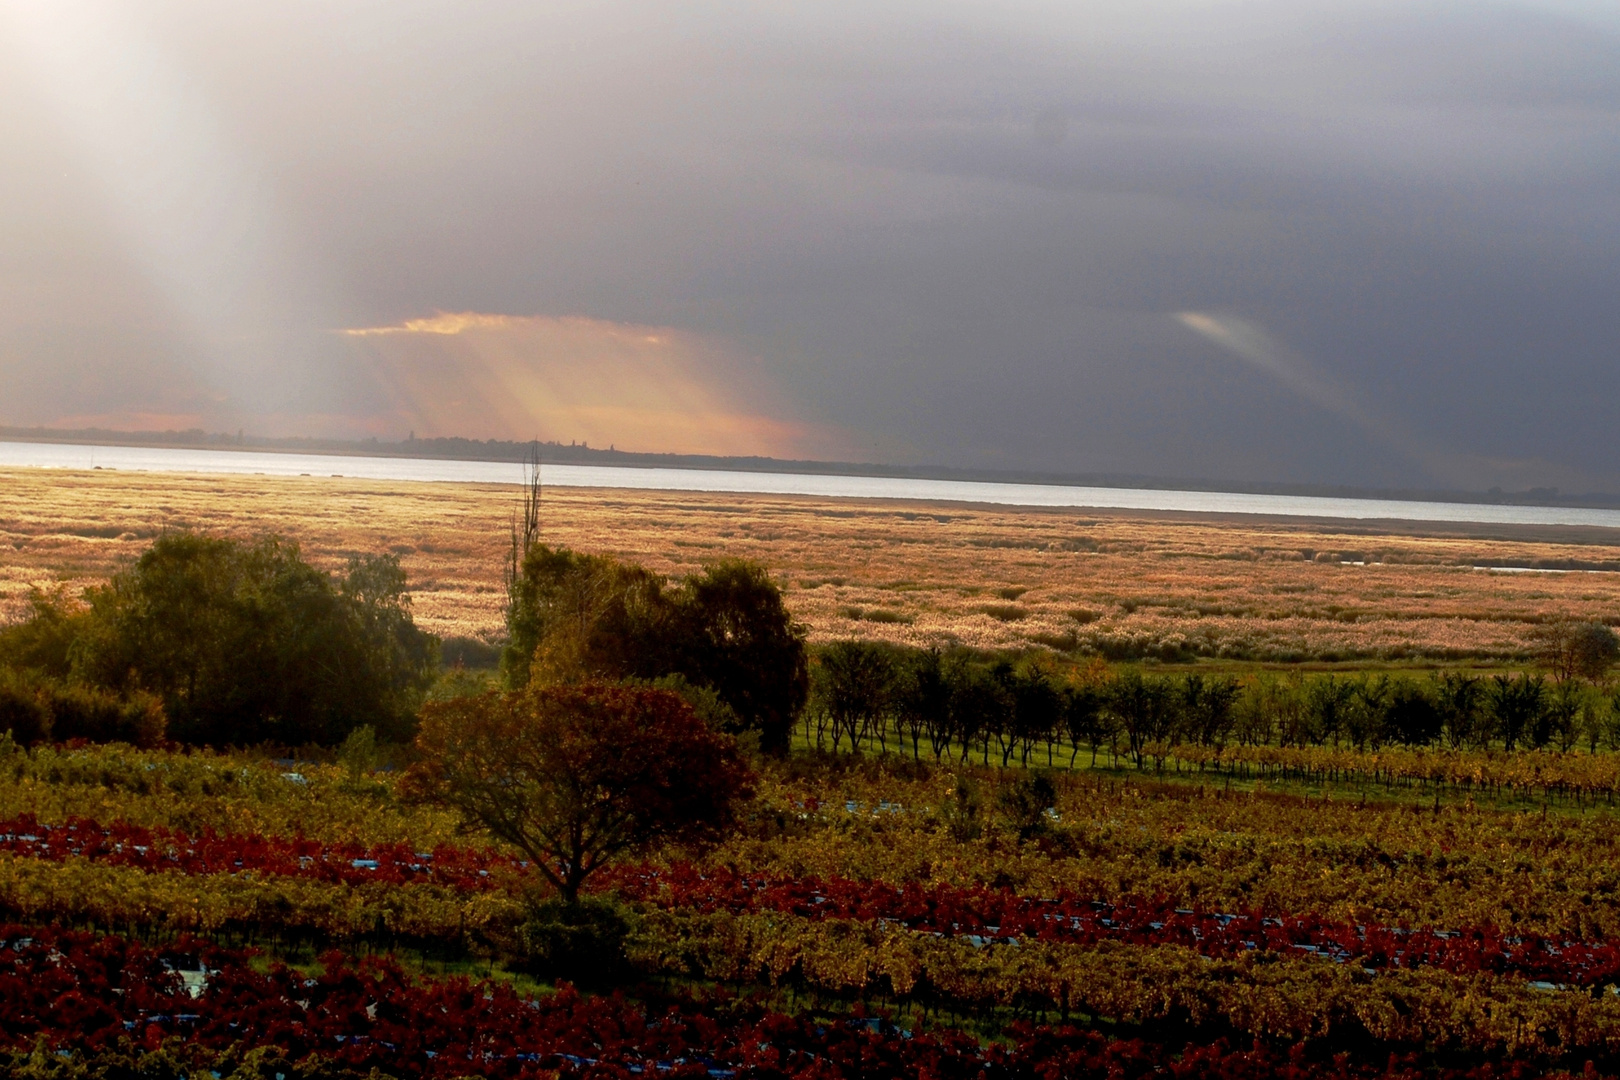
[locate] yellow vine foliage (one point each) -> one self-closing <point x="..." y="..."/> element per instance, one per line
<point x="1284" y="999"/>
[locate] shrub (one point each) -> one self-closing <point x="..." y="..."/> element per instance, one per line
<point x="23" y="712"/>
<point x="960" y="810"/>
<point x="582" y="942"/>
<point x="469" y="652"/>
<point x="35" y="709"/>
<point x="1024" y="803"/>
<point x="83" y="712"/>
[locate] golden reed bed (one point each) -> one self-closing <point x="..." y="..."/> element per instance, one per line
<point x="1127" y="583"/>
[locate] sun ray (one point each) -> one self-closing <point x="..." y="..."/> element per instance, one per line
<point x="575" y="378"/>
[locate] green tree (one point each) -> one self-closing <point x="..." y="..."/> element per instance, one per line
<point x="1327" y="704"/>
<point x="1608" y="719"/>
<point x="579" y="617"/>
<point x="980" y="707"/>
<point x="43" y="641"/>
<point x="1144" y="708"/>
<point x="246" y="643"/>
<point x="1515" y="706"/>
<point x="1083" y="718"/>
<point x="25" y="715"/>
<point x="1284" y="702"/>
<point x="738" y="638"/>
<point x="397" y="659"/>
<point x="1265" y="700"/>
<point x="923" y="702"/>
<point x="1412" y="717"/>
<point x="1460" y="698"/>
<point x="1206" y="709"/>
<point x="1037" y="711"/>
<point x="1560" y="720"/>
<point x="855" y="685"/>
<point x="1366" y="721"/>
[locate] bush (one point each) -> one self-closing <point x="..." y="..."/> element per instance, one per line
<point x="960" y="811"/>
<point x="359" y="755"/>
<point x="460" y="682"/>
<point x="1024" y="803"/>
<point x="83" y="712"/>
<point x="35" y="709"/>
<point x="710" y="707"/>
<point x="581" y="942"/>
<point x="23" y="712"/>
<point x="469" y="652"/>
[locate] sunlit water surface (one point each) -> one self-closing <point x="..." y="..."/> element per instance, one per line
<point x="156" y="459"/>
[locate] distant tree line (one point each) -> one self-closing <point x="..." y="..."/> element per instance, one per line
<point x="214" y="641"/>
<point x="869" y="696"/>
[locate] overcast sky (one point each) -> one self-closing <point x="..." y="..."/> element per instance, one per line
<point x="1359" y="242"/>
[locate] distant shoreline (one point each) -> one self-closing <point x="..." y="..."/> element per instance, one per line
<point x="246" y="460"/>
<point x="503" y="451"/>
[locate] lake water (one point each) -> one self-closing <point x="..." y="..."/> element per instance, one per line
<point x="156" y="459"/>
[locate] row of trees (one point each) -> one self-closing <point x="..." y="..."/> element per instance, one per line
<point x="866" y="695"/>
<point x="242" y="643"/>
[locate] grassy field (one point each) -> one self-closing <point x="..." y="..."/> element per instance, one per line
<point x="1124" y="584"/>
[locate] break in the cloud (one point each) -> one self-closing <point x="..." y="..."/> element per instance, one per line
<point x="458" y="322"/>
<point x="637" y="387"/>
<point x="1252" y="343"/>
<point x="957" y="233"/>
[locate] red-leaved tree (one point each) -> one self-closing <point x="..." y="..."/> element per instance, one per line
<point x="574" y="776"/>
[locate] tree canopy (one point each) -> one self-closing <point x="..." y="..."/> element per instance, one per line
<point x="575" y="617"/>
<point x="247" y="643"/>
<point x="737" y="637"/>
<point x="576" y="775"/>
<point x="1573" y="649"/>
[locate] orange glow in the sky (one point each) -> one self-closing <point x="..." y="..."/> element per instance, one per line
<point x="605" y="383"/>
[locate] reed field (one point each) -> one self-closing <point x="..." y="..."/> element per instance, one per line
<point x="1120" y="584"/>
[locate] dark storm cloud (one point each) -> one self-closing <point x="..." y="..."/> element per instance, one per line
<point x="1022" y="237"/>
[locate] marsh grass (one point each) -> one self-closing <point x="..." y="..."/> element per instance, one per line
<point x="1207" y="589"/>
